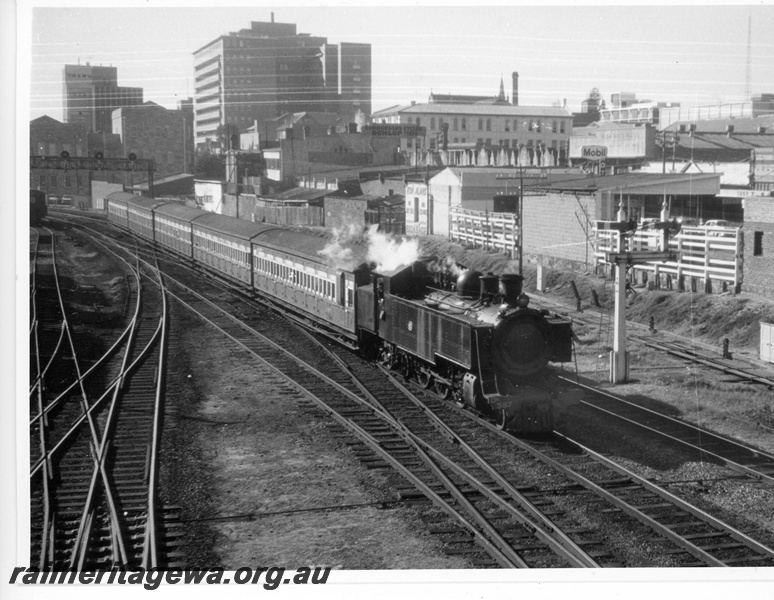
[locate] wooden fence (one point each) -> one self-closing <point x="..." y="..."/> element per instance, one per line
<point x="289" y="215"/>
<point x="706" y="254"/>
<point x="487" y="230"/>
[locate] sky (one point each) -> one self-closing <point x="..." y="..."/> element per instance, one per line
<point x="693" y="54"/>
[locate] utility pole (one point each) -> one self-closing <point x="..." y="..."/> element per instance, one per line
<point x="521" y="221"/>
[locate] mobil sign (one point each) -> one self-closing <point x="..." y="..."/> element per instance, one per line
<point x="594" y="152"/>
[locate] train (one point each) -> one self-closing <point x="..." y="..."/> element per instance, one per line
<point x="472" y="338"/>
<point x="38" y="208"/>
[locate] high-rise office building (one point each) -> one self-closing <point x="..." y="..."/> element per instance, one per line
<point x="268" y="70"/>
<point x="92" y="93"/>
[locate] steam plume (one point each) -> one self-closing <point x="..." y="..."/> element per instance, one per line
<point x="389" y="253"/>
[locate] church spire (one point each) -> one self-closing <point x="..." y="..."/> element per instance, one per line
<point x="501" y="97"/>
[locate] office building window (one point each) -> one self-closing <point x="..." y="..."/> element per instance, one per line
<point x="455" y="124"/>
<point x="432" y="122"/>
<point x="464" y="124"/>
<point x="480" y="124"/>
<point x="507" y="124"/>
<point x="489" y="124"/>
<point x="758" y="243"/>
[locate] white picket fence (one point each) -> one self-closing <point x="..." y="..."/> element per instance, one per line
<point x="487" y="230"/>
<point x="708" y="254"/>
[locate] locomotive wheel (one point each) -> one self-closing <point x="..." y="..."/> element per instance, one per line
<point x="425" y="379"/>
<point x="443" y="390"/>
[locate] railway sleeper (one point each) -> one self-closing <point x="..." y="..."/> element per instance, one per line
<point x="685" y="524"/>
<point x="746" y="559"/>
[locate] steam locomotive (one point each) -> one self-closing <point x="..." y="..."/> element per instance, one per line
<point x="475" y="340"/>
<point x="471" y="337"/>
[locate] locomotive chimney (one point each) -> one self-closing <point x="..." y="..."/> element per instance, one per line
<point x="488" y="285"/>
<point x="510" y="287"/>
<point x="467" y="284"/>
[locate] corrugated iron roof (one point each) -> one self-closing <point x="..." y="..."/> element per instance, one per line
<point x="300" y="193"/>
<point x="304" y="245"/>
<point x="741" y="125"/>
<point x="230" y="226"/>
<point x="139" y="201"/>
<point x="180" y="211"/>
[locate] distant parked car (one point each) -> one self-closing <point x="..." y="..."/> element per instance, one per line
<point x="718" y="223"/>
<point x="688" y="222"/>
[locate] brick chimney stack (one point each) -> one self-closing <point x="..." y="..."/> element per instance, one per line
<point x="515" y="94"/>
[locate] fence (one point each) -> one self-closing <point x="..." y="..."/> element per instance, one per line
<point x="482" y="229"/>
<point x="298" y="216"/>
<point x="709" y="254"/>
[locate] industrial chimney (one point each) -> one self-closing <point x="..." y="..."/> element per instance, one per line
<point x="515" y="94"/>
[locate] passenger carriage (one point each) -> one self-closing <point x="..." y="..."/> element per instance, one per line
<point x="117" y="208"/>
<point x="140" y="216"/>
<point x="223" y="244"/>
<point x="173" y="223"/>
<point x="289" y="267"/>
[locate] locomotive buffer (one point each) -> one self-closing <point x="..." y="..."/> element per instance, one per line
<point x="619" y="357"/>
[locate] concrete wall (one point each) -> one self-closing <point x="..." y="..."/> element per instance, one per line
<point x="209" y="195"/>
<point x="100" y="190"/>
<point x="443" y="198"/>
<point x="376" y="188"/>
<point x="758" y="271"/>
<point x="418" y="212"/>
<point x="554" y="228"/>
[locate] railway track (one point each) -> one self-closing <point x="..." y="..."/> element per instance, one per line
<point x="698" y="538"/>
<point x="93" y="439"/>
<point x="407" y="435"/>
<point x="693" y="352"/>
<point x="743" y="459"/>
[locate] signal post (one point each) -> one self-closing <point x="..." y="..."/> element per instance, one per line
<point x="619" y="357"/>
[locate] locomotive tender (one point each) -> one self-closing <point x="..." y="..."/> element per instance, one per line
<point x="475" y="340"/>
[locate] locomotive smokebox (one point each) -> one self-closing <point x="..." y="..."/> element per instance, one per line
<point x="467" y="284"/>
<point x="510" y="287"/>
<point x="488" y="286"/>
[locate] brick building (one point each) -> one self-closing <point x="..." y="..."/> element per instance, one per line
<point x="49" y="137"/>
<point x="759" y="245"/>
<point x="152" y="131"/>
